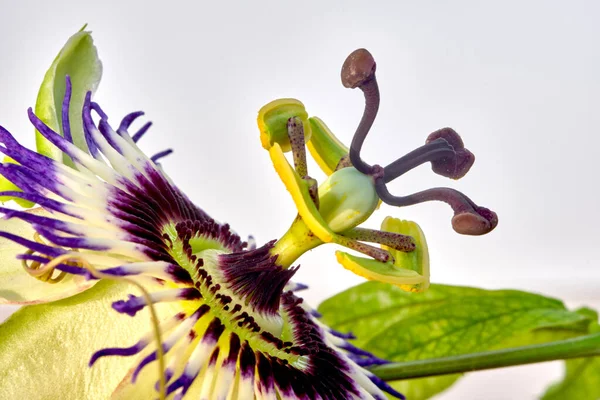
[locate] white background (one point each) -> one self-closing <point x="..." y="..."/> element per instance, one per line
<point x="518" y="80"/>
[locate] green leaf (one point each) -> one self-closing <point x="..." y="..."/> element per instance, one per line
<point x="445" y="321"/>
<point x="45" y="349"/>
<point x="582" y="375"/>
<point x="78" y="59"/>
<point x="581" y="381"/>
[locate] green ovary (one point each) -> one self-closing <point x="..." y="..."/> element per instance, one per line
<point x="346" y="199"/>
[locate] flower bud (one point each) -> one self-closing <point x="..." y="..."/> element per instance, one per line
<point x="346" y="199"/>
<point x="272" y="122"/>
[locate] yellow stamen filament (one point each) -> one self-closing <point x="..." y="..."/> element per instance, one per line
<point x="38" y="271"/>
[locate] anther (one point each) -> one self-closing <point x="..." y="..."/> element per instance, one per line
<point x="358" y="71"/>
<point x="344" y="162"/>
<point x="393" y="240"/>
<point x="296" y="134"/>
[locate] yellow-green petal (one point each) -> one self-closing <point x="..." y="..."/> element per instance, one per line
<point x="272" y="122"/>
<point x="78" y="59"/>
<point x="379" y="271"/>
<point x="417" y="260"/>
<point x="45" y="349"/>
<point x="298" y="188"/>
<point x="409" y="271"/>
<point x="324" y="147"/>
<point x="16" y="285"/>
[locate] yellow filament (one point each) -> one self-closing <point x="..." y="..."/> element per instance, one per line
<point x="80" y="260"/>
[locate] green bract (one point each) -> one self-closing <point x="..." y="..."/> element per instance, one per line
<point x="79" y="60"/>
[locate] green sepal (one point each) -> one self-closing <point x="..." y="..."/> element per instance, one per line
<point x="272" y="122"/>
<point x="79" y="59"/>
<point x="324" y="147"/>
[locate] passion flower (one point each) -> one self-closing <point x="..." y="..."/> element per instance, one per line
<point x="234" y="328"/>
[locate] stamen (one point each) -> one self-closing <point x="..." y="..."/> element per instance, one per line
<point x="394" y="240"/>
<point x="344" y="162"/>
<point x="469" y="218"/>
<point x="313" y="191"/>
<point x="371" y="251"/>
<point x="296" y="134"/>
<point x="359" y="71"/>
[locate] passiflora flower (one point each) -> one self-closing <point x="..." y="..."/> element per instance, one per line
<point x="226" y="320"/>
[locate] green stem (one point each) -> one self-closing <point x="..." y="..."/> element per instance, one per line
<point x="583" y="346"/>
<point x="295" y="242"/>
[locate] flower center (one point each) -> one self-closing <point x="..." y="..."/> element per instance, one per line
<point x="242" y="287"/>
